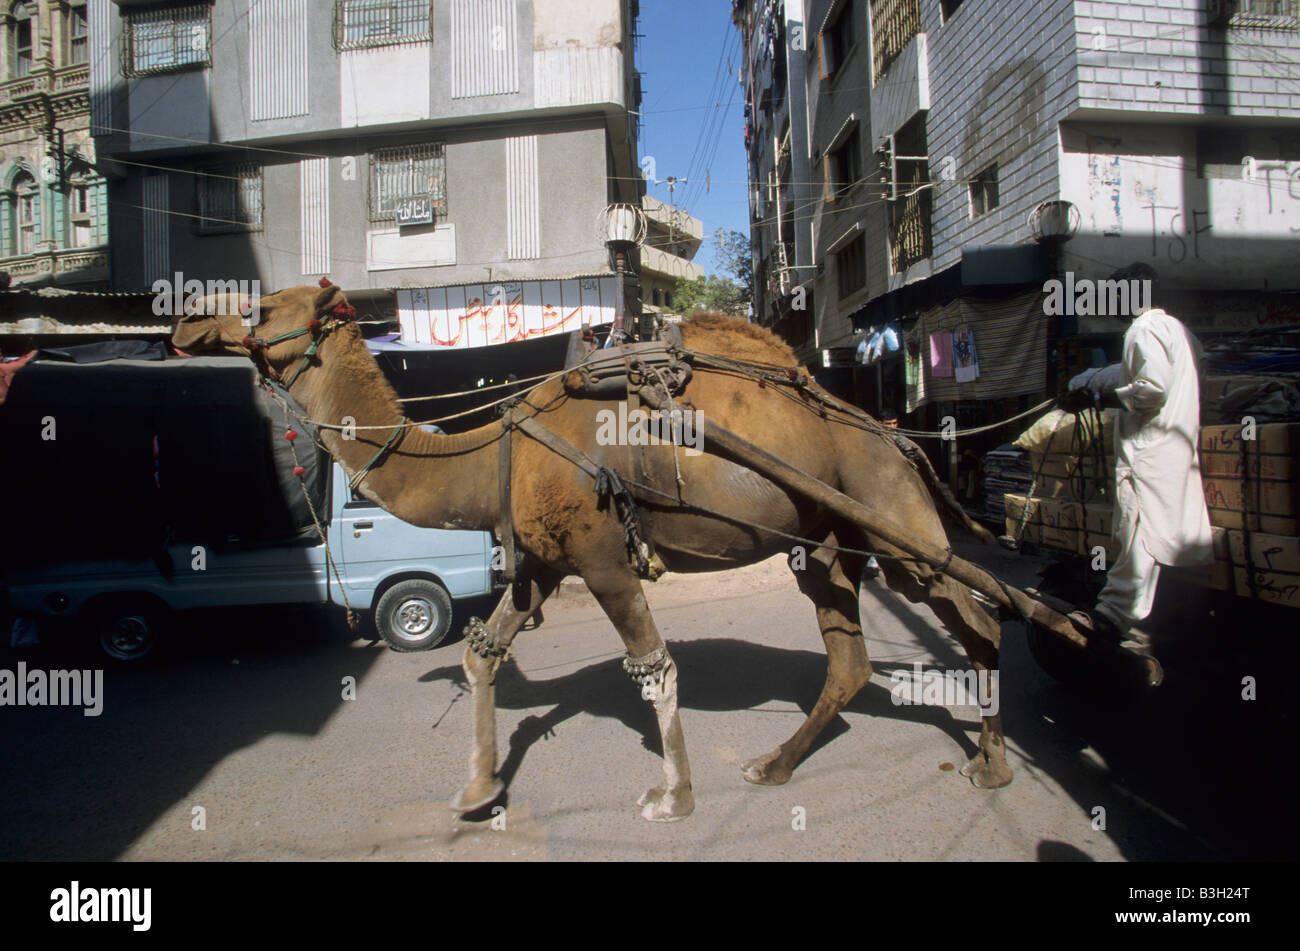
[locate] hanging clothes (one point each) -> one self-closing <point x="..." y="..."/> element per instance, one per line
<point x="941" y="355"/>
<point x="966" y="366"/>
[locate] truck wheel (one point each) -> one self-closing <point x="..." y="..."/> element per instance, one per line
<point x="128" y="630"/>
<point x="414" y="615"/>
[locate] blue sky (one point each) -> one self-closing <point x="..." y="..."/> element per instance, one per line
<point x="694" y="113"/>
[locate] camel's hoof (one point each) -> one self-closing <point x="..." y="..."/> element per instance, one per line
<point x="985" y="774"/>
<point x="764" y="771"/>
<point x="666" y="805"/>
<point x="477" y="795"/>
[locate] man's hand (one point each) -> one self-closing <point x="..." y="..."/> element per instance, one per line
<point x="1076" y="401"/>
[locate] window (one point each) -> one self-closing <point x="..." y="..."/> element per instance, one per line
<point x="22" y="22"/>
<point x="26" y="199"/>
<point x="836" y="39"/>
<point x="947" y="8"/>
<point x="910" y="206"/>
<point x="851" y="267"/>
<point x="81" y="212"/>
<point x="1255" y="13"/>
<point x="229" y="199"/>
<point x="984" y="191"/>
<point x="893" y="25"/>
<point x="408" y="185"/>
<point x="76" y="33"/>
<point x="161" y="41"/>
<point x="843" y="167"/>
<point x="363" y="23"/>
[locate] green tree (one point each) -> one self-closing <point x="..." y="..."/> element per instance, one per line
<point x="736" y="259"/>
<point x="710" y="292"/>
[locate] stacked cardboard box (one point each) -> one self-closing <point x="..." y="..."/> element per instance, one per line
<point x="1251" y="476"/>
<point x="1252" y="479"/>
<point x="1272" y="573"/>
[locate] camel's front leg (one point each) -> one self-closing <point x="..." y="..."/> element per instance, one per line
<point x="649" y="664"/>
<point x="485" y="648"/>
<point x="657" y="676"/>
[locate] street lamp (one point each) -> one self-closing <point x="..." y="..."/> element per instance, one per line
<point x="1052" y="223"/>
<point x="621" y="227"/>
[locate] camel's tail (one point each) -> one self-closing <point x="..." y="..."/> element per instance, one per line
<point x="942" y="494"/>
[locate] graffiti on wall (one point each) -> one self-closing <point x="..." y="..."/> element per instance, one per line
<point x="480" y="315"/>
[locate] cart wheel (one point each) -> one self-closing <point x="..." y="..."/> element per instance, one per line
<point x="1060" y="659"/>
<point x="1126" y="675"/>
<point x="414" y="615"/>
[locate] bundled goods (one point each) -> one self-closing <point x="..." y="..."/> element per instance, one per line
<point x="1006" y="469"/>
<point x="1251" y="476"/>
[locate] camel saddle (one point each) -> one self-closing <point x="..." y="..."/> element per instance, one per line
<point x="618" y="371"/>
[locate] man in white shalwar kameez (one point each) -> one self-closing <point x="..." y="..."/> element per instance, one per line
<point x="1160" y="514"/>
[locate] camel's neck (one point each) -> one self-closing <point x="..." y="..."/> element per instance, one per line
<point x="426" y="479"/>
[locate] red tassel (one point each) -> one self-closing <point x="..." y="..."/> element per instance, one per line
<point x="326" y="282"/>
<point x="314" y="325"/>
<point x="299" y="471"/>
<point x="249" y="343"/>
<point x="291" y="435"/>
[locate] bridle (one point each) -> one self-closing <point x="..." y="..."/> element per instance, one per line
<point x="319" y="330"/>
<point x="257" y="347"/>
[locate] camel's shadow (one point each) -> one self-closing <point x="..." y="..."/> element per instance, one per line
<point x="754" y="675"/>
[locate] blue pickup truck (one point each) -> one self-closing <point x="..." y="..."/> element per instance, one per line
<point x="405" y="577"/>
<point x="152" y="487"/>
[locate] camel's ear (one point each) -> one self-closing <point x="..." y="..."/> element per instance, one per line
<point x="327" y="298"/>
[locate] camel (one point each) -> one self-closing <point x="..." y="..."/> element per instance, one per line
<point x="564" y="528"/>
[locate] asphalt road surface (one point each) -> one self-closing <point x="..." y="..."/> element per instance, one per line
<point x="243" y="729"/>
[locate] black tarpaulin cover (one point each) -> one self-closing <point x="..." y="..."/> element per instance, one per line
<point x="222" y="473"/>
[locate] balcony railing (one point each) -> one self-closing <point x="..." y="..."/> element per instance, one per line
<point x="909" y="230"/>
<point x="893" y="24"/>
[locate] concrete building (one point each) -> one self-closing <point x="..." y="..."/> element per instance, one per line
<point x="949" y="140"/>
<point x="775" y="36"/>
<point x="53" y="208"/>
<point x="456" y="153"/>
<point x="672" y="239"/>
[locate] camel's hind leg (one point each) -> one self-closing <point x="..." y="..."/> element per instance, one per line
<point x="830" y="580"/>
<point x="979" y="634"/>
<point x="650" y="666"/>
<point x="485" y="648"/>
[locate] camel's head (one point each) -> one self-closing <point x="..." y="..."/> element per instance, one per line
<point x="278" y="328"/>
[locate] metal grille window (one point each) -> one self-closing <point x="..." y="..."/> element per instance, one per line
<point x="359" y="24"/>
<point x="162" y="41"/>
<point x="408" y="185"/>
<point x="229" y="199"/>
<point x="893" y="25"/>
<point x="1254" y="12"/>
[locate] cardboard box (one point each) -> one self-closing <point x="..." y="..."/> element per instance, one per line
<point x="1014" y="503"/>
<point x="1270" y="438"/>
<point x="1274" y="568"/>
<point x="1270" y="466"/>
<point x="1265" y="496"/>
<point x="1279" y="587"/>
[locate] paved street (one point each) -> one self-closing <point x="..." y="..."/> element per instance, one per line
<point x="246" y="722"/>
